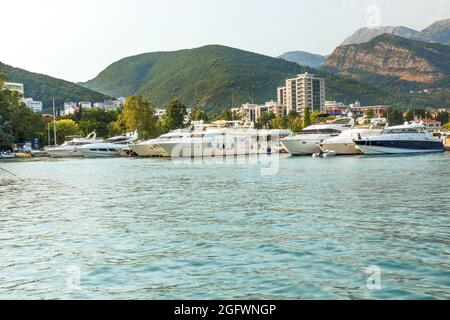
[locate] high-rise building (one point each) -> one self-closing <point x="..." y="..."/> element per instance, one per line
<point x="281" y="96"/>
<point x="306" y="90"/>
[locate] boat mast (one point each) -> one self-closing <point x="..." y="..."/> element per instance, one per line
<point x="54" y="122"/>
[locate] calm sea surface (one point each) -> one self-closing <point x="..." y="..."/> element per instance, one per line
<point x="158" y="229"/>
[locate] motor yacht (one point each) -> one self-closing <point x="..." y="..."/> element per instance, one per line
<point x="403" y="139"/>
<point x="70" y="148"/>
<point x="152" y="148"/>
<point x="223" y="138"/>
<point x="344" y="143"/>
<point x="109" y="147"/>
<point x="308" y="141"/>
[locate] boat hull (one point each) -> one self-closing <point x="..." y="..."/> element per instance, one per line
<point x="149" y="150"/>
<point x="301" y="147"/>
<point x="349" y="148"/>
<point x="64" y="153"/>
<point x="100" y="153"/>
<point x="379" y="147"/>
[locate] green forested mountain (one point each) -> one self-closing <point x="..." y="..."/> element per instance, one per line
<point x="45" y="88"/>
<point x="215" y="77"/>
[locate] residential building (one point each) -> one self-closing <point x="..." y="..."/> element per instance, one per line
<point x="247" y="112"/>
<point x="36" y="106"/>
<point x="281" y="96"/>
<point x="306" y="90"/>
<point x="270" y="107"/>
<point x="13" y="86"/>
<point x="335" y="108"/>
<point x="431" y="124"/>
<point x="291" y="94"/>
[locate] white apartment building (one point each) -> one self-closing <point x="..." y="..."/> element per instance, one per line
<point x="306" y="90"/>
<point x="247" y="112"/>
<point x="36" y="106"/>
<point x="13" y="86"/>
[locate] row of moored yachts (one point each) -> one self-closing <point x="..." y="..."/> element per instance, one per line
<point x="341" y="136"/>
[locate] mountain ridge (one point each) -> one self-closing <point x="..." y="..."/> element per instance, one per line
<point x="215" y="77"/>
<point x="438" y="32"/>
<point x="46" y="88"/>
<point x="304" y="58"/>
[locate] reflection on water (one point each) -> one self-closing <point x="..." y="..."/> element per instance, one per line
<point x="151" y="228"/>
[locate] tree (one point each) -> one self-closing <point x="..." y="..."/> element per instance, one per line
<point x="394" y="117"/>
<point x="137" y="114"/>
<point x="296" y="124"/>
<point x="175" y="115"/>
<point x="199" y="114"/>
<point x="446" y="126"/>
<point x="315" y="115"/>
<point x="370" y="113"/>
<point x="409" y="115"/>
<point x="227" y="115"/>
<point x="306" y="117"/>
<point x="19" y="123"/>
<point x="6" y="138"/>
<point x="443" y="117"/>
<point x="266" y="120"/>
<point x="66" y="128"/>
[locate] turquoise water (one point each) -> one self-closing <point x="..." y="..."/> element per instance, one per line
<point x="157" y="229"/>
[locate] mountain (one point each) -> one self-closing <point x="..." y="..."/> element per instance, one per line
<point x="304" y="58"/>
<point x="366" y="34"/>
<point x="438" y="32"/>
<point x="45" y="88"/>
<point x="395" y="63"/>
<point x="215" y="77"/>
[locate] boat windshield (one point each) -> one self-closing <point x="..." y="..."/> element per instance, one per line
<point x="117" y="140"/>
<point x="401" y="130"/>
<point x="320" y="131"/>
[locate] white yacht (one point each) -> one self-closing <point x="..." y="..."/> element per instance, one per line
<point x="308" y="141"/>
<point x="70" y="148"/>
<point x="152" y="148"/>
<point x="224" y="138"/>
<point x="344" y="144"/>
<point x="109" y="147"/>
<point x="404" y="139"/>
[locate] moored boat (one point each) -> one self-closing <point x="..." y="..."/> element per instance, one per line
<point x="70" y="148"/>
<point x="108" y="148"/>
<point x="307" y="141"/>
<point x="404" y="139"/>
<point x="344" y="144"/>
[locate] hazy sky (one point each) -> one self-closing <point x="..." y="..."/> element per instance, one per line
<point x="76" y="39"/>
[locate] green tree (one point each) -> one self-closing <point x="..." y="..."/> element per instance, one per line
<point x="370" y="113"/>
<point x="227" y="115"/>
<point x="138" y="114"/>
<point x="199" y="114"/>
<point x="409" y="115"/>
<point x="175" y="115"/>
<point x="296" y="124"/>
<point x="66" y="128"/>
<point x="18" y="121"/>
<point x="443" y="117"/>
<point x="394" y="117"/>
<point x="446" y="126"/>
<point x="315" y="116"/>
<point x="266" y="120"/>
<point x="306" y="117"/>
